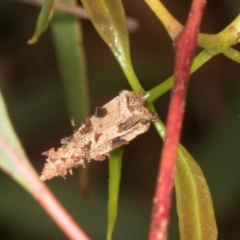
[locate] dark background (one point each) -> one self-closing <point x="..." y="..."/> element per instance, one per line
<point x="31" y="85"/>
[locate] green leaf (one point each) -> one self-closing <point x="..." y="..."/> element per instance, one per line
<point x="12" y="157"/>
<point x="194" y="203"/>
<point x="115" y="163"/>
<point x="67" y="37"/>
<point x="109" y="19"/>
<point x="44" y="19"/>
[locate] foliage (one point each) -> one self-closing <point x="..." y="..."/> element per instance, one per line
<point x="194" y="204"/>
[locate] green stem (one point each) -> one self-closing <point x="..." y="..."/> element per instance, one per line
<point x="165" y="86"/>
<point x="132" y="78"/>
<point x="172" y="26"/>
<point x="218" y="43"/>
<point x="232" y="54"/>
<point x="114" y="163"/>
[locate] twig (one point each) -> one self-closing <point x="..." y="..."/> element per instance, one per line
<point x="78" y="12"/>
<point x="170" y="23"/>
<point x="232" y="54"/>
<point x="185" y="45"/>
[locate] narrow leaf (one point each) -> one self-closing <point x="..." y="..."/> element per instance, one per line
<point x="9" y="146"/>
<point x="68" y="42"/>
<point x="109" y="19"/>
<point x="14" y="162"/>
<point x="194" y="203"/>
<point x="67" y="37"/>
<point x="44" y="19"/>
<point x="113" y="189"/>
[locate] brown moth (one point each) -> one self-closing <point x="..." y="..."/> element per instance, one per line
<point x="113" y="125"/>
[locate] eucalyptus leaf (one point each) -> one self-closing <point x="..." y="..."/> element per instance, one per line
<point x="194" y="202"/>
<point x="109" y="19"/>
<point x="12" y="157"/>
<point x="44" y="19"/>
<point x="68" y="42"/>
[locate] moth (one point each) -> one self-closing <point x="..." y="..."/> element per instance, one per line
<point x="113" y="125"/>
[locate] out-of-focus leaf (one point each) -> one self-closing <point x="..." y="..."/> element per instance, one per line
<point x="16" y="167"/>
<point x="44" y="18"/>
<point x="67" y="36"/>
<point x="194" y="203"/>
<point x="109" y="19"/>
<point x="115" y="163"/>
<point x="14" y="162"/>
<point x="68" y="41"/>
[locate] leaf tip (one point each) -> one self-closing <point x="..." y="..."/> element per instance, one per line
<point x="33" y="40"/>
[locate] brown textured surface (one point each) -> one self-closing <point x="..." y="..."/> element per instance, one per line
<point x="125" y="118"/>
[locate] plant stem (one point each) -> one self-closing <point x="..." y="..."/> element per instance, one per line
<point x="170" y="23"/>
<point x="232" y="54"/>
<point x="132" y="78"/>
<point x="114" y="164"/>
<point x="166" y="85"/>
<point x="185" y="47"/>
<point x="215" y="43"/>
<point x="218" y="43"/>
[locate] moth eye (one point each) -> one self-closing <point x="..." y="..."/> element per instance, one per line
<point x="100" y="112"/>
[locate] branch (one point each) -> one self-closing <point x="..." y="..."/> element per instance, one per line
<point x="232" y="54"/>
<point x="185" y="45"/>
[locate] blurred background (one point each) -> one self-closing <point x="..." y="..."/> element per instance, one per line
<point x="34" y="95"/>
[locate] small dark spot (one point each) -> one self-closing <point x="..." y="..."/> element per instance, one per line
<point x="88" y="123"/>
<point x="100" y="112"/>
<point x="88" y="126"/>
<point x="97" y="136"/>
<point x="128" y="124"/>
<point x="87" y="147"/>
<point x="117" y="142"/>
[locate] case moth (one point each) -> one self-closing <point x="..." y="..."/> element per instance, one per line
<point x="113" y="125"/>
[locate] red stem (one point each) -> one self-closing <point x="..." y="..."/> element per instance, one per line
<point x="43" y="195"/>
<point x="60" y="215"/>
<point x="185" y="45"/>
